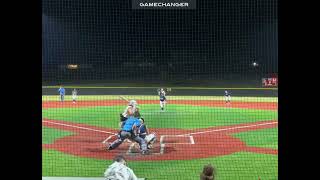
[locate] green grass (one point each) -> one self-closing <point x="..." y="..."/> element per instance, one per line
<point x="175" y="116"/>
<point x="112" y="97"/>
<point x="266" y="138"/>
<point x="240" y="166"/>
<point x="50" y="134"/>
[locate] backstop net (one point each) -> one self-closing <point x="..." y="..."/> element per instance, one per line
<point x="171" y="90"/>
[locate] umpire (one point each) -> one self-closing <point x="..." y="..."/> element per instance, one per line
<point x="129" y="131"/>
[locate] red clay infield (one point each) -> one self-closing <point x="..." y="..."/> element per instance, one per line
<point x="86" y="140"/>
<point x="210" y="103"/>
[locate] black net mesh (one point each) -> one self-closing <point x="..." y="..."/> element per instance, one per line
<point x="112" y="54"/>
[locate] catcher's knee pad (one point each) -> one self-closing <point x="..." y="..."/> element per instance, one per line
<point x="150" y="138"/>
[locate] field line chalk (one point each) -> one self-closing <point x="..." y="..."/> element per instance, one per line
<point x="225" y="129"/>
<point x="78" y="127"/>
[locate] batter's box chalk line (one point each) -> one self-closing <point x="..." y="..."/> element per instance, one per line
<point x="162" y="145"/>
<point x="108" y="138"/>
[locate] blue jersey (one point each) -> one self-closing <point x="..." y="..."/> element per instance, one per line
<point x="129" y="123"/>
<point x="62" y="91"/>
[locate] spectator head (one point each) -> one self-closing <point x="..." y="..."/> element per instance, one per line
<point x="120" y="159"/>
<point x="207" y="173"/>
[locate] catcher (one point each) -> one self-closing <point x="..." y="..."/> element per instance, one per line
<point x="129" y="131"/>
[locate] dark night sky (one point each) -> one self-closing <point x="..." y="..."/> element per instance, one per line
<point x="220" y="35"/>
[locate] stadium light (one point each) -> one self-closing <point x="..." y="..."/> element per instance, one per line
<point x="72" y="66"/>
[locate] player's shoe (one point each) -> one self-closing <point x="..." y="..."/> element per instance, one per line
<point x="145" y="152"/>
<point x="109" y="147"/>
